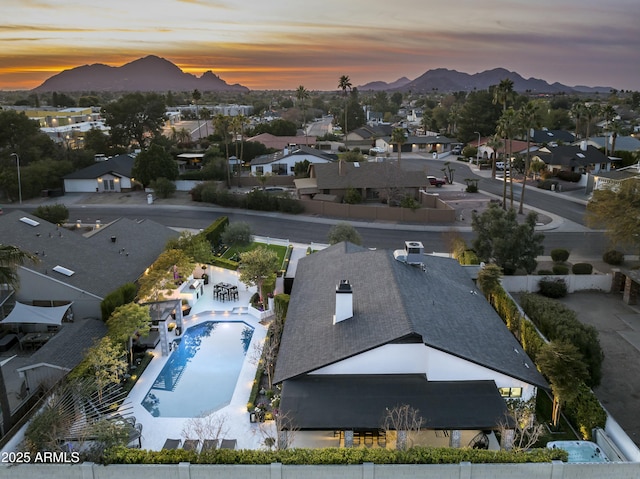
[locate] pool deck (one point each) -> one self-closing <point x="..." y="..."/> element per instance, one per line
<point x="236" y="418"/>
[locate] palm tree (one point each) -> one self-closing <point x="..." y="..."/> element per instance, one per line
<point x="591" y="112"/>
<point x="495" y="144"/>
<point x="577" y="110"/>
<point x="221" y="126"/>
<point x="503" y="93"/>
<point x="345" y="84"/>
<point x="609" y="113"/>
<point x="398" y="139"/>
<point x="243" y="121"/>
<point x="11" y="257"/>
<point x="529" y="119"/>
<point x="302" y="94"/>
<point x="508" y="128"/>
<point x="196" y="95"/>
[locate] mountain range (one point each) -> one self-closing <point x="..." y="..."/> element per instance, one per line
<point x="152" y="73"/>
<point x="148" y="74"/>
<point x="445" y="80"/>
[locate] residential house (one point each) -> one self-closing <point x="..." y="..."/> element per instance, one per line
<point x="112" y="175"/>
<point x="366" y="136"/>
<point x="552" y="137"/>
<point x="282" y="142"/>
<point x="434" y="144"/>
<point x="581" y="158"/>
<point x="370" y="330"/>
<point x="612" y="179"/>
<point x="283" y="162"/>
<point x="374" y="181"/>
<point x="622" y="143"/>
<point x="81" y="268"/>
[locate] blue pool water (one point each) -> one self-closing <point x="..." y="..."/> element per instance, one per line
<point x="202" y="371"/>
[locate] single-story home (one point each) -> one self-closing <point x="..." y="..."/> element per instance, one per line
<point x="581" y="158"/>
<point x="108" y="176"/>
<point x="552" y="137"/>
<point x="282" y="142"/>
<point x="368" y="331"/>
<point x="283" y="162"/>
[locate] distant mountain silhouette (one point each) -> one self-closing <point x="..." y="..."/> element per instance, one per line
<point x="380" y="85"/>
<point x="445" y="80"/>
<point x="147" y="74"/>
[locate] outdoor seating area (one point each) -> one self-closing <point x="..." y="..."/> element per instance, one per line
<point x="225" y="292"/>
<point x="195" y="444"/>
<point x="34" y="340"/>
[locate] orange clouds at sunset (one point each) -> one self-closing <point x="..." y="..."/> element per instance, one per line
<point x="280" y="45"/>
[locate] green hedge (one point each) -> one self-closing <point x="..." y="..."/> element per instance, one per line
<point x="582" y="268"/>
<point x="559" y="255"/>
<point x="254" y="389"/>
<point x="557" y="322"/>
<point x="613" y="257"/>
<point x="225" y="263"/>
<point x="560" y="269"/>
<point x="285" y="262"/>
<point x="214" y="231"/>
<point x="553" y="288"/>
<point x="415" y="455"/>
<point x="125" y="294"/>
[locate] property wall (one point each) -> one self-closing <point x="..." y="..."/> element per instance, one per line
<point x="465" y="470"/>
<point x="442" y="214"/>
<point x="242" y="182"/>
<point x="575" y="282"/>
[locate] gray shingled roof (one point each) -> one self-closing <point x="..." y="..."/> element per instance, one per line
<point x="100" y="265"/>
<point x="366" y="175"/>
<point x="120" y="165"/>
<point x="572" y="156"/>
<point x="296" y="151"/>
<point x="67" y="348"/>
<point x="549" y="136"/>
<point x="393" y="301"/>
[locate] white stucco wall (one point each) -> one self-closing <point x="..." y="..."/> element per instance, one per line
<point x="420" y="359"/>
<point x="80" y="186"/>
<point x="290" y="161"/>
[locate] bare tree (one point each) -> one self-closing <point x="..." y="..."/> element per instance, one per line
<point x="206" y="426"/>
<point x="522" y="414"/>
<point x="279" y="433"/>
<point x="403" y="419"/>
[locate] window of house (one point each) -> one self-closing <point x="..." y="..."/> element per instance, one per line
<point x="259" y="170"/>
<point x="510" y="392"/>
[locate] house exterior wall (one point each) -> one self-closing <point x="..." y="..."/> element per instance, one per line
<point x="39" y="287"/>
<point x="420" y="359"/>
<point x="80" y="186"/>
<point x="290" y="161"/>
<point x="100" y="184"/>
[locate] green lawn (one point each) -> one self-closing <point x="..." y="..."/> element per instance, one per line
<point x="281" y="251"/>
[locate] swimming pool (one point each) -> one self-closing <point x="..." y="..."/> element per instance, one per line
<point x="201" y="373"/>
<point x="580" y="451"/>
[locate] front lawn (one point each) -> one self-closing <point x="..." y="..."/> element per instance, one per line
<point x="233" y="253"/>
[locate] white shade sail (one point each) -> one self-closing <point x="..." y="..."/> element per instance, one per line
<point x="23" y="313"/>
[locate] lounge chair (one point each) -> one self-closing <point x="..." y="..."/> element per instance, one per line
<point x="191" y="444"/>
<point x="172" y="444"/>
<point x="228" y="444"/>
<point x="209" y="444"/>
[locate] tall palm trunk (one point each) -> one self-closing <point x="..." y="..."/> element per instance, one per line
<point x="527" y="164"/>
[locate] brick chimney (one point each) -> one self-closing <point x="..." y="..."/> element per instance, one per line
<point x="344" y="301"/>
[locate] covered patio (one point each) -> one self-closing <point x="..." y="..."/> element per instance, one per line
<point x="350" y="410"/>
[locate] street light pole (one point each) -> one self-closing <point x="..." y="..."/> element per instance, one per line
<point x="19" y="182"/>
<point x="478" y="150"/>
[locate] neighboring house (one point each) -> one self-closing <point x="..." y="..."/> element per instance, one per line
<point x="283" y="162"/>
<point x="623" y="143"/>
<point x="78" y="268"/>
<point x="612" y="179"/>
<point x="581" y="158"/>
<point x="365" y="137"/>
<point x="369" y="330"/>
<point x="111" y="175"/>
<point x="552" y="137"/>
<point x="282" y="142"/>
<point x="421" y="144"/>
<point x="374" y="181"/>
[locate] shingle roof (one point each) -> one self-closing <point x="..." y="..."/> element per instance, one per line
<point x="120" y="165"/>
<point x="623" y="143"/>
<point x="295" y="151"/>
<point x="366" y="175"/>
<point x="549" y="136"/>
<point x="100" y="265"/>
<point x="572" y="156"/>
<point x="67" y="348"/>
<point x="392" y="301"/>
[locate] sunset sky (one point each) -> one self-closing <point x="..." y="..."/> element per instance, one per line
<point x="280" y="44"/>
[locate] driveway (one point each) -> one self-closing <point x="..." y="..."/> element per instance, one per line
<point x="618" y="326"/>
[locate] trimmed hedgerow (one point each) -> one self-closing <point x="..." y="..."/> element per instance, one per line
<point x="582" y="268"/>
<point x="414" y="455"/>
<point x="560" y="269"/>
<point x="559" y="255"/>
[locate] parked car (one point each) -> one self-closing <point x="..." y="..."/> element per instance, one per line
<point x="456" y="150"/>
<point x="437" y="182"/>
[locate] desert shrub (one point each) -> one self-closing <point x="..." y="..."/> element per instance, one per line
<point x="468" y="256"/>
<point x="408" y="202"/>
<point x="560" y="269"/>
<point x="572" y="176"/>
<point x="582" y="268"/>
<point x="545" y="272"/>
<point x="553" y="288"/>
<point x="163" y="187"/>
<point x="613" y="257"/>
<point x="56" y="214"/>
<point x="559" y="255"/>
<point x="352" y="196"/>
<point x="546" y="184"/>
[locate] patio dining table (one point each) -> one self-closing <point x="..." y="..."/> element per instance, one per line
<point x="224" y="291"/>
<point x="35" y="340"/>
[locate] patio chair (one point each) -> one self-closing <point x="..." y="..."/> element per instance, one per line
<point x="368" y="439"/>
<point x="228" y="444"/>
<point x="209" y="444"/>
<point x="191" y="444"/>
<point x="172" y="444"/>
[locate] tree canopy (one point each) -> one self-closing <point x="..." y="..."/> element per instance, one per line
<point x="618" y="210"/>
<point x="256" y="265"/>
<point x="154" y="163"/>
<point x="344" y="231"/>
<point x="136" y="117"/>
<point x="500" y="239"/>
